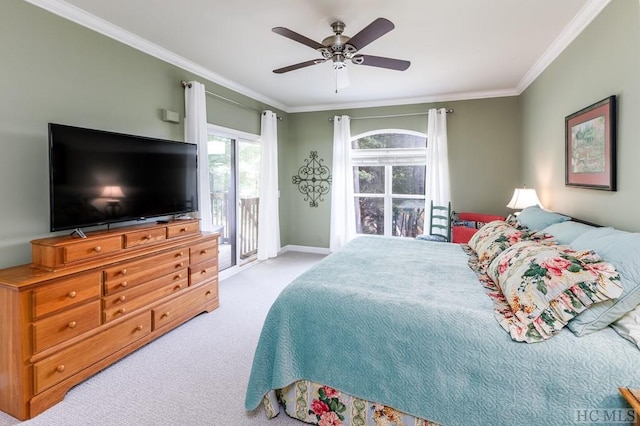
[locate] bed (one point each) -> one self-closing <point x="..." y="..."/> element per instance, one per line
<point x="392" y="331"/>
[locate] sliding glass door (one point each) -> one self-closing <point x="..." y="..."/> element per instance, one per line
<point x="234" y="176"/>
<point x="221" y="152"/>
<point x="248" y="201"/>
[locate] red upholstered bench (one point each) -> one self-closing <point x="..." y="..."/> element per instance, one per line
<point x="462" y="233"/>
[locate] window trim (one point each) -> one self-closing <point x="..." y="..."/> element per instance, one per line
<point x="388" y="158"/>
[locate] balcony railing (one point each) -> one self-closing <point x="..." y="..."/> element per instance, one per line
<point x="247" y="225"/>
<point x="220" y="214"/>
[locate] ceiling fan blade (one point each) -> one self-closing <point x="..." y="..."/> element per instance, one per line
<point x="381" y="62"/>
<point x="298" y="66"/>
<point x="297" y="37"/>
<point x="371" y="32"/>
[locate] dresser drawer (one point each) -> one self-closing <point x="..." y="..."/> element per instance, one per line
<point x="182" y="228"/>
<point x="65" y="325"/>
<point x="204" y="251"/>
<point x="139" y="238"/>
<point x="175" y="308"/>
<point x="63" y="293"/>
<point x="125" y="302"/>
<point x="129" y="274"/>
<point x="69" y="361"/>
<point x="91" y="248"/>
<point x="203" y="272"/>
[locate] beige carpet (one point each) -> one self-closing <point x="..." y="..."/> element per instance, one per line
<point x="194" y="375"/>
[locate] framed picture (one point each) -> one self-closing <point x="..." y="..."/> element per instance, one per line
<point x="590" y="146"/>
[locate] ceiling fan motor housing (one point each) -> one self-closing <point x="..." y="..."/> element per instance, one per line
<point x="337" y="47"/>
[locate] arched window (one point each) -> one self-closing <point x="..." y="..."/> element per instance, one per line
<point x="389" y="169"/>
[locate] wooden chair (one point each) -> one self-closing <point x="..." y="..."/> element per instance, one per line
<point x="440" y="226"/>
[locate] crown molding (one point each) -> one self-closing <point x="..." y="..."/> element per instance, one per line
<point x="79" y="16"/>
<point x="582" y="19"/>
<point x="462" y="96"/>
<point x="59" y="7"/>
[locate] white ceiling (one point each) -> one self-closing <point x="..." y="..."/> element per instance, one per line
<point x="459" y="49"/>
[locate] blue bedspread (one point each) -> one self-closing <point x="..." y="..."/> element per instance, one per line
<point x="407" y="324"/>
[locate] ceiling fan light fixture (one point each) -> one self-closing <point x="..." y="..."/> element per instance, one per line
<point x="342" y="78"/>
<point x="339" y="62"/>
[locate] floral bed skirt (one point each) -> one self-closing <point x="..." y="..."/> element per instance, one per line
<point x="321" y="405"/>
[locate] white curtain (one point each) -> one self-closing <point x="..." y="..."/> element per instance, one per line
<point x="437" y="185"/>
<point x="195" y="131"/>
<point x="268" y="213"/>
<point x="343" y="226"/>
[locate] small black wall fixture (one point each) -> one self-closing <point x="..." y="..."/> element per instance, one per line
<point x="313" y="179"/>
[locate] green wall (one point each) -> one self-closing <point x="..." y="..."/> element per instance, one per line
<point x="57" y="71"/>
<point x="54" y="70"/>
<point x="603" y="61"/>
<point x="483" y="143"/>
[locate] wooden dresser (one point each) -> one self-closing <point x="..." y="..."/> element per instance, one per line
<point x="85" y="303"/>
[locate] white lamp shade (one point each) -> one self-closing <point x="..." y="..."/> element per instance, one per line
<point x="522" y="198"/>
<point x="112" y="192"/>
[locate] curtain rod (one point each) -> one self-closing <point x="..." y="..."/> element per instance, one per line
<point x="448" y="111"/>
<point x="231" y="101"/>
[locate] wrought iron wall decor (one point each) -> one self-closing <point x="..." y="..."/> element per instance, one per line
<point x="313" y="179"/>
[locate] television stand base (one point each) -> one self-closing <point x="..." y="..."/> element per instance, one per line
<point x="79" y="233"/>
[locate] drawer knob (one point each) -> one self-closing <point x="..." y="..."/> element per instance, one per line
<point x="178" y="287"/>
<point x="165" y="315"/>
<point x="122" y="298"/>
<point x="203" y="252"/>
<point x="208" y="293"/>
<point x="177" y="277"/>
<point x="72" y="324"/>
<point x="123" y="272"/>
<point x="148" y="237"/>
<point x="183" y="229"/>
<point x="139" y="328"/>
<point x="60" y="368"/>
<point x="97" y="249"/>
<point x="180" y="254"/>
<point x="204" y="271"/>
<point x="124" y="283"/>
<point x="180" y="265"/>
<point x="122" y="310"/>
<point x="72" y="294"/>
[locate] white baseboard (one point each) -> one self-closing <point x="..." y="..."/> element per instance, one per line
<point x="229" y="272"/>
<point x="305" y="249"/>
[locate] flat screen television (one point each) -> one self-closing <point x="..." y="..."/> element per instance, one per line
<point x="98" y="177"/>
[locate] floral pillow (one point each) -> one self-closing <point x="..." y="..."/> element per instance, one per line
<point x="495" y="237"/>
<point x="542" y="287"/>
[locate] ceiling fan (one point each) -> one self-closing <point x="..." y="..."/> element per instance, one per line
<point x="340" y="48"/>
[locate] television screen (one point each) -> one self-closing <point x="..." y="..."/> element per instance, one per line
<point x="99" y="177"/>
